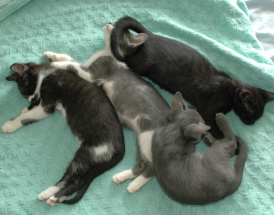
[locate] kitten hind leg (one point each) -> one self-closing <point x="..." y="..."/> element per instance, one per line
<point x="50" y="191"/>
<point x="64" y="193"/>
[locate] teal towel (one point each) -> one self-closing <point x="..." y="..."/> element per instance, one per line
<point x="36" y="156"/>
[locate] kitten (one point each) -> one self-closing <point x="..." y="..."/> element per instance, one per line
<point x="190" y="177"/>
<point x="175" y="66"/>
<point x="89" y="114"/>
<point x="139" y="105"/>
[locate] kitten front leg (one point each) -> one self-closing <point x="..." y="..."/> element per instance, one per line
<point x="51" y="56"/>
<point x="76" y="68"/>
<point x="35" y="114"/>
<point x="137" y="183"/>
<point x="123" y="176"/>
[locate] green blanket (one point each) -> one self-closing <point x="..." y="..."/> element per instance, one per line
<point x="35" y="157"/>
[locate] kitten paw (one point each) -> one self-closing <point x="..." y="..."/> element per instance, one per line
<point x="52" y="201"/>
<point x="9" y="127"/>
<point x="122" y="176"/>
<point x="118" y="178"/>
<point x="133" y="187"/>
<point x="51" y="56"/>
<point x="48" y="193"/>
<point x="220" y="117"/>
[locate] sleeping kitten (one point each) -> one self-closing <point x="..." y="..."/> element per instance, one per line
<point x="178" y="67"/>
<point x="139" y="105"/>
<point x="190" y="177"/>
<point x="89" y="114"/>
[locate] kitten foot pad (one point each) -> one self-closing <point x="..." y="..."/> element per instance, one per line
<point x="51" y="56"/>
<point x="52" y="201"/>
<point x="9" y="127"/>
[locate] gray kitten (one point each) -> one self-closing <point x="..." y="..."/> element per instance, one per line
<point x="190" y="177"/>
<point x="139" y="106"/>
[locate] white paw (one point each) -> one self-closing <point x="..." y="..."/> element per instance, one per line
<point x="52" y="201"/>
<point x="51" y="56"/>
<point x="59" y="65"/>
<point x="48" y="193"/>
<point x="25" y="110"/>
<point x="133" y="187"/>
<point x="9" y="127"/>
<point x="118" y="178"/>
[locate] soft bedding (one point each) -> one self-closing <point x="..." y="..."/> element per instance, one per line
<point x="34" y="157"/>
<point x="261" y="13"/>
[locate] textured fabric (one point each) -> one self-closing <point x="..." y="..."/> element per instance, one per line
<point x="261" y="13"/>
<point x="8" y="7"/>
<point x="35" y="157"/>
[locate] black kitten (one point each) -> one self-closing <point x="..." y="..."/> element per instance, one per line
<point x="89" y="114"/>
<point x="178" y="67"/>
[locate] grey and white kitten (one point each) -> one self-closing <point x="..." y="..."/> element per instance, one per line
<point x="139" y="106"/>
<point x="190" y="177"/>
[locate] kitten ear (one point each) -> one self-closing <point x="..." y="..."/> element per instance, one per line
<point x="138" y="40"/>
<point x="12" y="77"/>
<point x="268" y="96"/>
<point x="177" y="103"/>
<point x="245" y="94"/>
<point x="19" y="68"/>
<point x="196" y="130"/>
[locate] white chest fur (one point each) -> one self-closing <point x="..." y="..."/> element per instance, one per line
<point x="145" y="142"/>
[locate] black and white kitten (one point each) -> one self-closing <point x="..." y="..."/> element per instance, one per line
<point x="190" y="177"/>
<point x="175" y="66"/>
<point x="139" y="105"/>
<point x="89" y="114"/>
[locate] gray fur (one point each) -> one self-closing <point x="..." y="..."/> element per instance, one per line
<point x="190" y="177"/>
<point x="132" y="98"/>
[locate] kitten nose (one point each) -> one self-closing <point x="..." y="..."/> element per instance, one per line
<point x="111" y="23"/>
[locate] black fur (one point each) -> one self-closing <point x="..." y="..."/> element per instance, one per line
<point x="90" y="115"/>
<point x="175" y="66"/>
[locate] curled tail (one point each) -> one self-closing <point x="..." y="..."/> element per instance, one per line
<point x="120" y="27"/>
<point x="239" y="164"/>
<point x="91" y="174"/>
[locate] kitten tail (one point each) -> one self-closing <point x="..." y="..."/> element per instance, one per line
<point x="120" y="27"/>
<point x="239" y="164"/>
<point x="92" y="174"/>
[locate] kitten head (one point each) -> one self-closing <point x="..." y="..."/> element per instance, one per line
<point x="123" y="43"/>
<point x="25" y="77"/>
<point x="189" y="121"/>
<point x="249" y="103"/>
